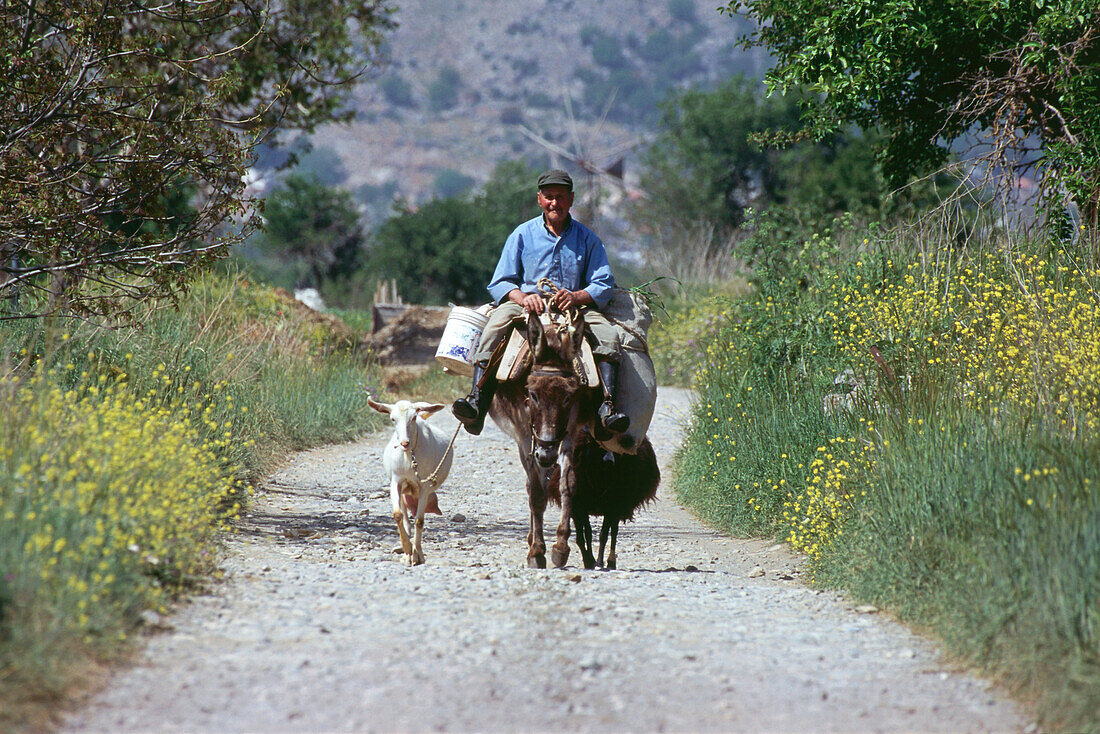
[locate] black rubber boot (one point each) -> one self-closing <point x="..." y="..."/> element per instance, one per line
<point x="472" y="409"/>
<point x="610" y="418"/>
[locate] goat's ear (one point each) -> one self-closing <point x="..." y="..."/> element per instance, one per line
<point x="380" y="407"/>
<point x="535" y="336"/>
<point x="428" y="409"/>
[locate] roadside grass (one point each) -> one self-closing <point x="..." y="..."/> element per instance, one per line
<point x="127" y="453"/>
<point x="922" y="426"/>
<point x="428" y="383"/>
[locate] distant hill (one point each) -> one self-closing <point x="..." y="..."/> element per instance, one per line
<point x="469" y="83"/>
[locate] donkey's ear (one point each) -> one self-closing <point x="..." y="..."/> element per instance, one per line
<point x="535" y="336"/>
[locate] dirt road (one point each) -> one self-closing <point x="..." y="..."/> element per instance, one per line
<point x="320" y="627"/>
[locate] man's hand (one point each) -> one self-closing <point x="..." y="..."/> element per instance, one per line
<point x="564" y="299"/>
<point x="531" y="302"/>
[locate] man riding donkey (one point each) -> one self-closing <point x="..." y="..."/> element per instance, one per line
<point x="555" y="247"/>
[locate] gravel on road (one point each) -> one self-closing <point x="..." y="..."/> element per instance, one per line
<point x="320" y="627"/>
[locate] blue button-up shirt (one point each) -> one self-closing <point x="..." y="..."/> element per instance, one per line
<point x="576" y="260"/>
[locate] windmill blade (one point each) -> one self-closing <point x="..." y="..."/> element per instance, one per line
<point x="612" y="175"/>
<point x="616" y="168"/>
<point x="603" y="115"/>
<point x="552" y="147"/>
<point x="573" y="132"/>
<point x="622" y="148"/>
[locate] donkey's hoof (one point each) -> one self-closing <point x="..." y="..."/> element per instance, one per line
<point x="536" y="561"/>
<point x="559" y="557"/>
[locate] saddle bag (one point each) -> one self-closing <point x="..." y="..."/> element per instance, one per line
<point x="636" y="395"/>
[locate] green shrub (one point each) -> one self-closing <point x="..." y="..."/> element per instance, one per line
<point x="922" y="427"/>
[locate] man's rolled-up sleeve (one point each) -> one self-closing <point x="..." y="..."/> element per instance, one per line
<point x="509" y="271"/>
<point x="597" y="275"/>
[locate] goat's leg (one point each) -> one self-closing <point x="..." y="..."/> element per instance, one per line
<point x="559" y="553"/>
<point x="418" y="551"/>
<point x="399" y="517"/>
<point x="584" y="538"/>
<point x="604" y="528"/>
<point x="612" y="560"/>
<point x="536" y="499"/>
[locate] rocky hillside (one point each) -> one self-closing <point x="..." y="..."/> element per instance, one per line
<point x="470" y="83"/>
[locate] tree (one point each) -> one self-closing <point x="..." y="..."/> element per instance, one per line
<point x="443" y="92"/>
<point x="927" y="73"/>
<point x="125" y="130"/>
<point x="315" y="224"/>
<point x="706" y="167"/>
<point x="446" y="250"/>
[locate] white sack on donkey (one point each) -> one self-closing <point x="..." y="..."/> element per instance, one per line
<point x="417" y="459"/>
<point x="637" y="389"/>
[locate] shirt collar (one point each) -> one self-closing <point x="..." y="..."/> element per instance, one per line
<point x="568" y="224"/>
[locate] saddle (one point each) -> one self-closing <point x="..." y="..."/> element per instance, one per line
<point x="515" y="358"/>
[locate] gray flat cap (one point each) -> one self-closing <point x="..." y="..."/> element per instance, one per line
<point x="556" y="177"/>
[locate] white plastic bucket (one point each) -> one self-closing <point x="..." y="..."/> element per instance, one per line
<point x="460" y="339"/>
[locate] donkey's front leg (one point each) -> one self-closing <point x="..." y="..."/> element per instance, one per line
<point x="559" y="554"/>
<point x="536" y="498"/>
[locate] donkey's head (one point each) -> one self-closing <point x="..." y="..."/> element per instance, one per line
<point x="553" y="397"/>
<point x="554" y="393"/>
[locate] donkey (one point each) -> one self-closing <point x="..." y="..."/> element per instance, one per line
<point x="545" y="411"/>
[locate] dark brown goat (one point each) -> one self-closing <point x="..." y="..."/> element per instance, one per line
<point x="614" y="486"/>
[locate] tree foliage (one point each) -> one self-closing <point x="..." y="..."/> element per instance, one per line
<point x="125" y="130"/>
<point x="314" y="224"/>
<point x="446" y="250"/>
<point x="707" y="168"/>
<point x="929" y="73"/>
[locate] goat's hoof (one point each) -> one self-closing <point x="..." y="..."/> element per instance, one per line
<point x="536" y="561"/>
<point x="589" y="564"/>
<point x="559" y="557"/>
<point x="611" y="565"/>
<point x="417" y="561"/>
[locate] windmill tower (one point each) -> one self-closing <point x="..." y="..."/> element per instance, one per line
<point x="600" y="169"/>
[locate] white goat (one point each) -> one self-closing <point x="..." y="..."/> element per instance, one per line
<point x="410" y="458"/>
